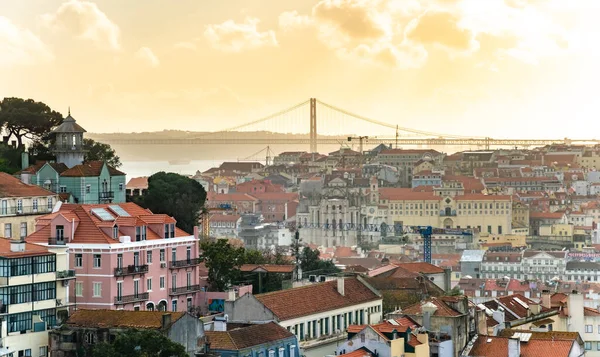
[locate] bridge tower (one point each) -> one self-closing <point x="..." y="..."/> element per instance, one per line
<point x="313" y="125"/>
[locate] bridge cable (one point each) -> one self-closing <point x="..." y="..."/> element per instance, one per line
<point x="373" y="121"/>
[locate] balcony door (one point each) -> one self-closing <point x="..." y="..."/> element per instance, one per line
<point x="136" y="259"/>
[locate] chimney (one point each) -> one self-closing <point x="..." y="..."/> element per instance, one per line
<point x="196" y="232"/>
<point x="231" y="295"/>
<point x="514" y="347"/>
<point x="24" y="160"/>
<point x="546" y="299"/>
<point x="535" y="308"/>
<point x="340" y="285"/>
<point x="166" y="321"/>
<point x="17" y="245"/>
<point x="428" y="310"/>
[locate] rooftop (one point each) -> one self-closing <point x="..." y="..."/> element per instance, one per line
<point x="11" y="186"/>
<point x="267" y="268"/>
<point x="120" y="318"/>
<point x="245" y="337"/>
<point x="491" y="346"/>
<point x="30" y="250"/>
<point x="316" y="298"/>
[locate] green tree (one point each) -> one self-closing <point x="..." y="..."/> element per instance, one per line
<point x="311" y="263"/>
<point x="265" y="282"/>
<point x="139" y="343"/>
<point x="96" y="151"/>
<point x="10" y="159"/>
<point x="175" y="195"/>
<point x="223" y="262"/>
<point x="27" y="119"/>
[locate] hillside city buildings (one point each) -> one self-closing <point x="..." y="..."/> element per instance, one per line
<point x="515" y="255"/>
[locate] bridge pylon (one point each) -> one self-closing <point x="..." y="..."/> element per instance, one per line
<point x="313" y="125"/>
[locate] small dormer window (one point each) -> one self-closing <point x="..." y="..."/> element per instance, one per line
<point x="172" y="230"/>
<point x="116" y="232"/>
<point x="140" y="233"/>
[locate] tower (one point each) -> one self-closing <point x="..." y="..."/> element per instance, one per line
<point x="68" y="146"/>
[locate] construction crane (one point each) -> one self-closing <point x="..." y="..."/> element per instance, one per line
<point x="360" y="141"/>
<point x="205" y="217"/>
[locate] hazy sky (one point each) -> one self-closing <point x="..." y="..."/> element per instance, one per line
<point x="501" y="68"/>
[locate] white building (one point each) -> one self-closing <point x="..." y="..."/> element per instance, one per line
<point x="543" y="265"/>
<point x="33" y="296"/>
<point x="318" y="314"/>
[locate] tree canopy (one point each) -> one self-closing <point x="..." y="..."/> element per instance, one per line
<point x="178" y="196"/>
<point x="96" y="151"/>
<point x="139" y="343"/>
<point x="223" y="262"/>
<point x="26" y="119"/>
<point x="311" y="263"/>
<point x="266" y="282"/>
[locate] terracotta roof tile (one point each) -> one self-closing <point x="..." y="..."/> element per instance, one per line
<point x="138" y="182"/>
<point x="315" y="298"/>
<point x="442" y="308"/>
<point x="120" y="318"/>
<point x="498" y="347"/>
<point x="90" y="169"/>
<point x="245" y="337"/>
<point x="11" y="186"/>
<point x="30" y="250"/>
<point x="421" y="267"/>
<point x="269" y="268"/>
<point x="361" y="352"/>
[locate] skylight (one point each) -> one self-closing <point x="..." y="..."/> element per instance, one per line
<point x="102" y="214"/>
<point x="119" y="211"/>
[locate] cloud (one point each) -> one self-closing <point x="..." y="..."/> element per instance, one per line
<point x="402" y="56"/>
<point x="20" y="46"/>
<point x="442" y="28"/>
<point x="354" y="19"/>
<point x="290" y="20"/>
<point x="83" y="19"/>
<point x="148" y="57"/>
<point x="236" y="37"/>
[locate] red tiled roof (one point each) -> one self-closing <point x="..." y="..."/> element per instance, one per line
<point x="30" y="250"/>
<point x="408" y="152"/>
<point x="498" y="347"/>
<point x="361" y="352"/>
<point x="138" y="182"/>
<point x="269" y="268"/>
<point x="344" y="252"/>
<point x="421" y="267"/>
<point x="120" y="318"/>
<point x="275" y="196"/>
<point x="443" y="309"/>
<point x="230" y="197"/>
<point x="407" y="194"/>
<point x="401" y="325"/>
<point x="90" y="169"/>
<point x="224" y="217"/>
<point x="482" y="197"/>
<point x="316" y="298"/>
<point x="11" y="186"/>
<point x="89" y="230"/>
<point x="246" y="337"/>
<point x="546" y="215"/>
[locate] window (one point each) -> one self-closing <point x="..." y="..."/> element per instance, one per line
<point x="188" y="253"/>
<point x="167" y="230"/>
<point x="490" y="229"/>
<point x="174" y="281"/>
<point x="78" y="260"/>
<point x="589" y="328"/>
<point x="97" y="261"/>
<point x="79" y="288"/>
<point x="116" y="232"/>
<point x="173" y="254"/>
<point x="7" y="230"/>
<point x="162" y="282"/>
<point x="20" y="206"/>
<point x="119" y="289"/>
<point x="97" y="289"/>
<point x="174" y="305"/>
<point x="43" y="351"/>
<point x="499" y="229"/>
<point x="23" y="229"/>
<point x="588" y="346"/>
<point x="136" y="287"/>
<point x="292" y="350"/>
<point x="189" y="279"/>
<point x="149" y="257"/>
<point x="60" y="232"/>
<point x="120" y="187"/>
<point x="4" y="207"/>
<point x="88" y="188"/>
<point x="63" y="189"/>
<point x="598" y="346"/>
<point x="149" y="284"/>
<point x="50" y="204"/>
<point x="119" y="260"/>
<point x="172" y="230"/>
<point x="271" y="353"/>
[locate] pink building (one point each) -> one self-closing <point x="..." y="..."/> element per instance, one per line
<point x="124" y="256"/>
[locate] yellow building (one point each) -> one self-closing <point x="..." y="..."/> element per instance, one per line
<point x="514" y="240"/>
<point x="33" y="295"/>
<point x="21" y="204"/>
<point x="520" y="218"/>
<point x="484" y="213"/>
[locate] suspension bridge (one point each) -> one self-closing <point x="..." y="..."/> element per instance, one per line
<point x="302" y="123"/>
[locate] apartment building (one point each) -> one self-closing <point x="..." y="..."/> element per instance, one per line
<point x="543" y="265"/>
<point x="21" y="204"/>
<point x="405" y="160"/>
<point x="125" y="256"/>
<point x="318" y="314"/>
<point x="497" y="265"/>
<point x="34" y="296"/>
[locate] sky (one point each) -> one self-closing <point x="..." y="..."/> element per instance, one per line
<point x="496" y="68"/>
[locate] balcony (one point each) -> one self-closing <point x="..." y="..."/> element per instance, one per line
<point x="184" y="290"/>
<point x="65" y="274"/>
<point x="126" y="299"/>
<point x="131" y="270"/>
<point x="106" y="196"/>
<point x="57" y="241"/>
<point x="184" y="263"/>
<point x="25" y="210"/>
<point x="68" y="147"/>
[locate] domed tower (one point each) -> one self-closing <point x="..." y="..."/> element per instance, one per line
<point x="68" y="147"/>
